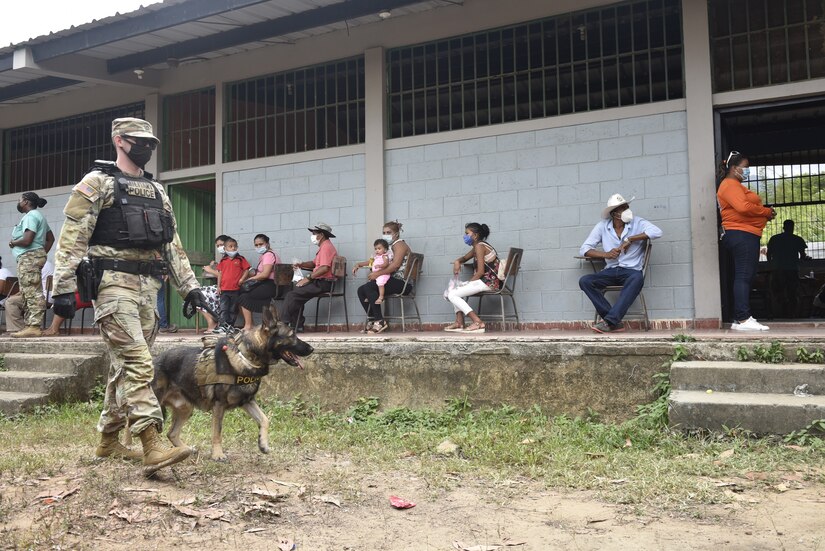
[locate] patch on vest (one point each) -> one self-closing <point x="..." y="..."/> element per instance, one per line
<point x="206" y="372"/>
<point x="138" y="188"/>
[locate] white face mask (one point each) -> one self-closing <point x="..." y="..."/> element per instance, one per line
<point x="388" y="238"/>
<point x="314" y="239"/>
<point x="260" y="250"/>
<point x="221" y="249"/>
<point x="232" y="254"/>
<point x="627" y="216"/>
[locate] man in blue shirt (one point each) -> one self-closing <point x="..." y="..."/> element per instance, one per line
<point x="623" y="238"/>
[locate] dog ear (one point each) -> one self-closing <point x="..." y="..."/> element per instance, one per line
<point x="270" y="314"/>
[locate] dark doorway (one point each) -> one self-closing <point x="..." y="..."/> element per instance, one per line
<point x="785" y="144"/>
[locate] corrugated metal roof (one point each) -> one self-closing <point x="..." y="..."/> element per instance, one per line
<point x="208" y="26"/>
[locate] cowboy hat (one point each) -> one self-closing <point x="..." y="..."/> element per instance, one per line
<point x="323" y="228"/>
<point x="615" y="200"/>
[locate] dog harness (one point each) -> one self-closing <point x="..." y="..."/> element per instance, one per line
<point x="214" y="366"/>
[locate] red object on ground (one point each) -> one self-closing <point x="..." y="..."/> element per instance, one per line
<point x="401" y="503"/>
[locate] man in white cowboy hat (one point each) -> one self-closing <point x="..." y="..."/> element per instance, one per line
<point x="622" y="237"/>
<point x="319" y="280"/>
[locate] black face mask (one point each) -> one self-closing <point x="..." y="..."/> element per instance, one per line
<point x="140" y="154"/>
<point x="20" y="208"/>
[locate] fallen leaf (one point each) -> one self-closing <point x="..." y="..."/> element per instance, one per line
<point x="447" y="447"/>
<point x="211" y="514"/>
<point x="285" y="545"/>
<point x="123" y="515"/>
<point x="619" y="481"/>
<point x="795" y="447"/>
<point x="595" y="520"/>
<point x="493" y="547"/>
<point x="528" y="441"/>
<point x="288" y="484"/>
<point x="781" y="488"/>
<point x="725" y="454"/>
<point x="254" y="530"/>
<point x="792" y="477"/>
<point x="147" y="490"/>
<point x="756" y="475"/>
<point x="725" y="484"/>
<point x="592" y="455"/>
<point x="326" y="498"/>
<point x="400" y="503"/>
<point x="266" y="494"/>
<point x="628" y="443"/>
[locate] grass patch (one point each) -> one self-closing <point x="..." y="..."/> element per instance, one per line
<point x="636" y="462"/>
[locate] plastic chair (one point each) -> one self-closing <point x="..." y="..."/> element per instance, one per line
<point x="339" y="289"/>
<point x="415" y="262"/>
<point x="618" y="288"/>
<point x="13" y="286"/>
<point x="507" y="289"/>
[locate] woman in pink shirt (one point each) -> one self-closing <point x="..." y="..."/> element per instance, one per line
<point x="255" y="296"/>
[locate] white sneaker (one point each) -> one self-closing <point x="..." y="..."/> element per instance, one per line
<point x="749" y="324"/>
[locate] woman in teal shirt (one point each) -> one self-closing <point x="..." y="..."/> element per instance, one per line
<point x="31" y="240"/>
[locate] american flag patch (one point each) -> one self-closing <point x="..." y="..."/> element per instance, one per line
<point x="86" y="189"/>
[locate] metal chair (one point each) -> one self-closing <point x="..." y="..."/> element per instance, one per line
<point x="13" y="286"/>
<point x="507" y="289"/>
<point x="81" y="307"/>
<point x="618" y="288"/>
<point x="339" y="289"/>
<point x="415" y="261"/>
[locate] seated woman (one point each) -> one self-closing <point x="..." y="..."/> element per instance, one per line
<point x="484" y="278"/>
<point x="368" y="293"/>
<point x="255" y="298"/>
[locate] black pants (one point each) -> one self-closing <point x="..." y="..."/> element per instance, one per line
<point x="295" y="299"/>
<point x="229" y="306"/>
<point x="368" y="294"/>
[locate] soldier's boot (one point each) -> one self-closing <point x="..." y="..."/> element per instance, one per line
<point x="29" y="331"/>
<point x="110" y="446"/>
<point x="157" y="453"/>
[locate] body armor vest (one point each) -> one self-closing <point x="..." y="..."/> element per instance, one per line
<point x="136" y="219"/>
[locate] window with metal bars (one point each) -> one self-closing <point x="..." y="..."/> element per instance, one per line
<point x="624" y="54"/>
<point x="795" y="187"/>
<point x="301" y="110"/>
<point x="59" y="152"/>
<point x="189" y="129"/>
<point x="762" y="42"/>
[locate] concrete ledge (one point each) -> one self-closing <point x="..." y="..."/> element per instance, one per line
<point x="727" y="376"/>
<point x="759" y="413"/>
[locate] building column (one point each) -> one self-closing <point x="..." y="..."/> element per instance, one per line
<point x="219" y="119"/>
<point x="703" y="222"/>
<point x="153" y="114"/>
<point x="375" y="108"/>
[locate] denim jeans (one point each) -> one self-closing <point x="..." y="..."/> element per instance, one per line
<point x="593" y="286"/>
<point x="229" y="306"/>
<point x="743" y="247"/>
<point x="162" y="314"/>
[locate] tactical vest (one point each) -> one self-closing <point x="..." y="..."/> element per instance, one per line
<point x="136" y="219"/>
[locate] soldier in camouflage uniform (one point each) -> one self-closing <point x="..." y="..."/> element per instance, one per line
<point x="126" y="296"/>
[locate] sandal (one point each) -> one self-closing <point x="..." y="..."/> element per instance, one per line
<point x="379" y="327"/>
<point x="475" y="328"/>
<point x="368" y="327"/>
<point x="379" y="301"/>
<point x="454" y="328"/>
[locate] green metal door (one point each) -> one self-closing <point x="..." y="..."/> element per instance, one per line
<point x="194" y="206"/>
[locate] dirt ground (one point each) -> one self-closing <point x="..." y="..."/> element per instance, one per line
<point x="327" y="503"/>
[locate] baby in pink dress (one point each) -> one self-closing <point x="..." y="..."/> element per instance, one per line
<point x="377" y="262"/>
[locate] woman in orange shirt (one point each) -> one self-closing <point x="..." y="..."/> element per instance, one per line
<point x="743" y="219"/>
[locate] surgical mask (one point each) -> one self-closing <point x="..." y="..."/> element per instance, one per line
<point x="468" y="240"/>
<point x="388" y="238"/>
<point x="260" y="250"/>
<point x="140" y="154"/>
<point x="221" y="249"/>
<point x="627" y="216"/>
<point x="232" y="254"/>
<point x="314" y="239"/>
<point x="746" y="173"/>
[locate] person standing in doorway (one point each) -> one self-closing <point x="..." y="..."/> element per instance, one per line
<point x="31" y="241"/>
<point x="785" y="250"/>
<point x="126" y="262"/>
<point x="743" y="219"/>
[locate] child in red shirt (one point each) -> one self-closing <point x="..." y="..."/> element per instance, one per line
<point x="230" y="269"/>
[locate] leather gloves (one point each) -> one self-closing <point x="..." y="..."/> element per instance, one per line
<point x="195" y="301"/>
<point x="64" y="305"/>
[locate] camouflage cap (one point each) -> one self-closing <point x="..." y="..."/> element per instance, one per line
<point x="136" y="128"/>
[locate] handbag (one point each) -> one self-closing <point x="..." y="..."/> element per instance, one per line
<point x="250" y="284"/>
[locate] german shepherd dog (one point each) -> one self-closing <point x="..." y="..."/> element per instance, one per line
<point x="225" y="377"/>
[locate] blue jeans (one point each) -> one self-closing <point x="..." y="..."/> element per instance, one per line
<point x="229" y="306"/>
<point x="164" y="320"/>
<point x="743" y="247"/>
<point x="593" y="286"/>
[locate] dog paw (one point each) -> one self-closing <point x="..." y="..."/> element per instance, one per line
<point x="220" y="458"/>
<point x="264" y="449"/>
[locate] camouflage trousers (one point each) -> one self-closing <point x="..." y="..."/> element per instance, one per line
<point x="29" y="268"/>
<point x="125" y="311"/>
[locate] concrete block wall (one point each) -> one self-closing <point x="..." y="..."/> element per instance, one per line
<point x="543" y="191"/>
<point x="282" y="201"/>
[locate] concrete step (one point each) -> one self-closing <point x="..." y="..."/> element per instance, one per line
<point x="761" y="413"/>
<point x="50" y="363"/>
<point x="728" y="376"/>
<point x="34" y="382"/>
<point x="12" y="403"/>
